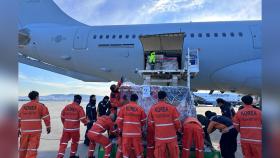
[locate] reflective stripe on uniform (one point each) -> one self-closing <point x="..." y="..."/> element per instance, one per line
<point x="166" y="138"/>
<point x="94" y="132"/>
<point x="64" y="143"/>
<point x="91" y="150"/>
<point x="150" y="147"/>
<point x="251" y="140"/>
<point x="198" y="150"/>
<point x="144" y="119"/>
<point x="131" y="134"/>
<point x="120" y="118"/>
<point x="236" y="124"/>
<point x="60" y="154"/>
<point x="100" y="126"/>
<point x="36" y="130"/>
<point x="186" y="149"/>
<point x="82" y="118"/>
<point x="108" y="145"/>
<point x="27" y="149"/>
<point x="72" y="120"/>
<point x="135" y="123"/>
<point x="177" y="119"/>
<point x="71" y="129"/>
<point x="45" y="116"/>
<point x="27" y="120"/>
<point x="166" y="124"/>
<point x="247" y="127"/>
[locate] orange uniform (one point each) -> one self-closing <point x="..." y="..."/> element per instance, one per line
<point x="193" y="133"/>
<point x="71" y="116"/>
<point x="30" y="118"/>
<point x="248" y="121"/>
<point x="131" y="118"/>
<point x="115" y="99"/>
<point x="164" y="118"/>
<point x="102" y="124"/>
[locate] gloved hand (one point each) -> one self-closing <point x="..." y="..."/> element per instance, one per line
<point x="48" y="130"/>
<point x="122" y="79"/>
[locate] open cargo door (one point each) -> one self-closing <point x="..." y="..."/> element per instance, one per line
<point x="168" y="48"/>
<point x="163" y="42"/>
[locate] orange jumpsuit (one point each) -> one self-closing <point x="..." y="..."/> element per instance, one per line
<point x="248" y="121"/>
<point x="30" y="117"/>
<point x="71" y="116"/>
<point x="115" y="99"/>
<point x="164" y="118"/>
<point x="102" y="124"/>
<point x="131" y="118"/>
<point x="193" y="132"/>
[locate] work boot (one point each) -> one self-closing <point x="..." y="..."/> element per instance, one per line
<point x="74" y="157"/>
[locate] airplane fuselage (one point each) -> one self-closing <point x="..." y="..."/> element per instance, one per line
<point x="230" y="52"/>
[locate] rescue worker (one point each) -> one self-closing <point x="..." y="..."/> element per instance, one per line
<point x="248" y="121"/>
<point x="131" y="119"/>
<point x="228" y="141"/>
<point x="104" y="106"/>
<point x="192" y="133"/>
<point x="95" y="134"/>
<point x="71" y="116"/>
<point x="152" y="60"/>
<point x="91" y="115"/>
<point x="115" y="98"/>
<point x="226" y="108"/>
<point x="164" y="118"/>
<point x="205" y="122"/>
<point x="30" y="117"/>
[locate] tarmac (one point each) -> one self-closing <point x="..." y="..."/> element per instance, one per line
<point x="50" y="142"/>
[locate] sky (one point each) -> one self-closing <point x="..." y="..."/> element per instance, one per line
<point x="118" y="12"/>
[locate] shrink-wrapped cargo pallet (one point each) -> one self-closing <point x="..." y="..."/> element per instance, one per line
<point x="178" y="96"/>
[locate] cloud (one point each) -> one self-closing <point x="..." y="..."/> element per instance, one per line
<point x="105" y="12"/>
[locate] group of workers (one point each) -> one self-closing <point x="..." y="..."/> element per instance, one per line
<point x="125" y="119"/>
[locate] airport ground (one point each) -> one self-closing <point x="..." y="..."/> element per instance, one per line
<point x="50" y="143"/>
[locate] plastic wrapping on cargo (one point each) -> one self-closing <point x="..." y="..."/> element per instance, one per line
<point x="170" y="64"/>
<point x="178" y="96"/>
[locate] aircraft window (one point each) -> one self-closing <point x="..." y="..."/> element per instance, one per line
<point x="200" y="35"/>
<point x="240" y="34"/>
<point x="207" y="34"/>
<point x="94" y="36"/>
<point x="100" y="36"/>
<point x="120" y="36"/>
<point x="126" y="36"/>
<point x="192" y="35"/>
<point x="133" y="36"/>
<point x="224" y="35"/>
<point x="114" y="36"/>
<point x="216" y="34"/>
<point x="232" y="34"/>
<point x="107" y="36"/>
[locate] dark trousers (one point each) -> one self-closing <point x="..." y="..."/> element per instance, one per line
<point x="89" y="125"/>
<point x="228" y="144"/>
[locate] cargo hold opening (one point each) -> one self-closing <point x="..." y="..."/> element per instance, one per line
<point x="168" y="48"/>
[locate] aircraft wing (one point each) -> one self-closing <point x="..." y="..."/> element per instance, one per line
<point x="36" y="63"/>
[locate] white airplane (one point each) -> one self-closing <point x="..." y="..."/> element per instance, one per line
<point x="230" y="52"/>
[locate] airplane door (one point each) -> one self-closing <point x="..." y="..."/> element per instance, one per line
<point x="81" y="39"/>
<point x="256" y="35"/>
